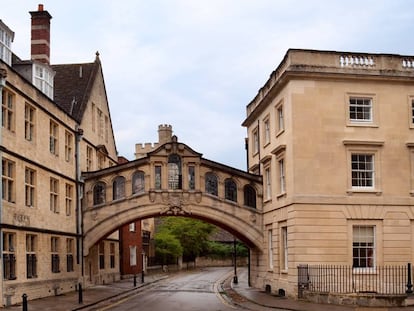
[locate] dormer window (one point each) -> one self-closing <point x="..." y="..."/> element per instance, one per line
<point x="6" y="38"/>
<point x="43" y="79"/>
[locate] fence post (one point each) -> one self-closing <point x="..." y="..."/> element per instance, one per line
<point x="409" y="282"/>
<point x="24" y="302"/>
<point x="80" y="296"/>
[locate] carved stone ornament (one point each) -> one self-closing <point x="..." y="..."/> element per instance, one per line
<point x="152" y="196"/>
<point x="253" y="218"/>
<point x="94" y="215"/>
<point x="174" y="205"/>
<point x="10" y="291"/>
<point x="21" y="220"/>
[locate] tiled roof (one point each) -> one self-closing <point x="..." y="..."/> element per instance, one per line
<point x="72" y="86"/>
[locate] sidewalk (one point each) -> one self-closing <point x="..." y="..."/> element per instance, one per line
<point x="92" y="296"/>
<point x="243" y="295"/>
<point x="254" y="297"/>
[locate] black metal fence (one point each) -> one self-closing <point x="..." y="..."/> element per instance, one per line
<point x="385" y="280"/>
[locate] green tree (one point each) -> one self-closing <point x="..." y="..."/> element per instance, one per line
<point x="193" y="234"/>
<point x="167" y="247"/>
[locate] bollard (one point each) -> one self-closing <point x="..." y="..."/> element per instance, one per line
<point x="80" y="297"/>
<point x="142" y="277"/>
<point x="135" y="280"/>
<point x="24" y="302"/>
<point x="409" y="290"/>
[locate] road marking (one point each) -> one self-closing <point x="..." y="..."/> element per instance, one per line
<point x="219" y="294"/>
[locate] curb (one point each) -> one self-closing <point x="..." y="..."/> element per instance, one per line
<point x="249" y="300"/>
<point x="119" y="296"/>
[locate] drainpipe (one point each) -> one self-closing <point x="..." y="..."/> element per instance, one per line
<point x="79" y="196"/>
<point x="246" y="146"/>
<point x="3" y="75"/>
<point x="258" y="142"/>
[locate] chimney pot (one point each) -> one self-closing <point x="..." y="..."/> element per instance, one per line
<point x="40" y="39"/>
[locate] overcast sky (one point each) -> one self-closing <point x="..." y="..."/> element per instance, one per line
<point x="197" y="64"/>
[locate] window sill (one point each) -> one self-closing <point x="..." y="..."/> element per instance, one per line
<point x="280" y="132"/>
<point x="267" y="200"/>
<point x="372" y="270"/>
<point x="362" y="124"/>
<point x="281" y="195"/>
<point x="364" y="191"/>
<point x="284" y="271"/>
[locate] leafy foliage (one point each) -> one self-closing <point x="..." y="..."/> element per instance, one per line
<point x="223" y="250"/>
<point x="167" y="247"/>
<point x="187" y="237"/>
<point x="192" y="235"/>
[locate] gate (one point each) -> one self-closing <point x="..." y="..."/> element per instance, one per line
<point x="303" y="279"/>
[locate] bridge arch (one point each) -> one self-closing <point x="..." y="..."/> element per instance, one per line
<point x="153" y="195"/>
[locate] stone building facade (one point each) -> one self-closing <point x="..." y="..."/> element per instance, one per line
<point x="55" y="124"/>
<point x="332" y="133"/>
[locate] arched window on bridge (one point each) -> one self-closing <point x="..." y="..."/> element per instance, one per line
<point x="211" y="184"/>
<point x="118" y="188"/>
<point x="174" y="172"/>
<point x="249" y="196"/>
<point x="99" y="193"/>
<point x="230" y="190"/>
<point x="138" y="182"/>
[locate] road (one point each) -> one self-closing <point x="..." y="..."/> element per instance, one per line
<point x="189" y="291"/>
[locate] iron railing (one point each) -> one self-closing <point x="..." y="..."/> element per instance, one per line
<point x="384" y="280"/>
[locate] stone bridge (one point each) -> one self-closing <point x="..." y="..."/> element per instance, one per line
<point x="172" y="180"/>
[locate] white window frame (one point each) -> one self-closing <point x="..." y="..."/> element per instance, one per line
<point x="43" y="79"/>
<point x="29" y="122"/>
<point x="30" y="187"/>
<point x="8" y="180"/>
<point x="284" y="248"/>
<point x="68" y="199"/>
<point x="8" y="106"/>
<point x="270" y="249"/>
<point x="411" y="111"/>
<point x="68" y="147"/>
<point x="255" y="146"/>
<point x="132" y="227"/>
<point x="268" y="183"/>
<point x="280" y="119"/>
<point x="282" y="176"/>
<point x="364" y="148"/>
<point x="54" y="138"/>
<point x="363" y="165"/>
<point x="358" y="239"/>
<point x="6" y="38"/>
<point x="360" y="106"/>
<point x="266" y="131"/>
<point x="132" y="255"/>
<point x="372" y="107"/>
<point x="54" y="195"/>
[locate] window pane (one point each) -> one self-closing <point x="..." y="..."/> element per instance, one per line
<point x="362" y="170"/>
<point x="360" y="109"/>
<point x="211" y="184"/>
<point x="230" y="189"/>
<point x="363" y="246"/>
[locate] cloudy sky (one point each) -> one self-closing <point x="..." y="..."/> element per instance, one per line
<point x="197" y="64"/>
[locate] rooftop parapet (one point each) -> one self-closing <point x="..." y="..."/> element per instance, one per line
<point x="313" y="62"/>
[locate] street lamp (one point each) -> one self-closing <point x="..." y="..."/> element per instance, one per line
<point x="142" y="266"/>
<point x="235" y="279"/>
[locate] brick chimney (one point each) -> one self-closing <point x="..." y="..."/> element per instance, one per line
<point x="40" y="42"/>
